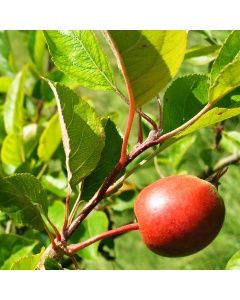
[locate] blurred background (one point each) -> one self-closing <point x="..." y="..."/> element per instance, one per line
<point x="197" y="154"/>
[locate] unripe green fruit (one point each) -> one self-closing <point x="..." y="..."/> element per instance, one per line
<point x="179" y="215"/>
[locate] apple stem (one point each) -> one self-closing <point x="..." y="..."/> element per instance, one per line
<point x="76" y="247"/>
<point x="214" y="180"/>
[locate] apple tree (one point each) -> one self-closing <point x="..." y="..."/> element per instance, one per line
<point x="89" y="119"/>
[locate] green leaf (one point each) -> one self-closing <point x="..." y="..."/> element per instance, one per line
<point x="5" y="83"/>
<point x="78" y="54"/>
<point x="3" y="217"/>
<point x="184" y="99"/>
<point x="31" y="135"/>
<point x="55" y="183"/>
<point x="210" y="156"/>
<point x="94" y="224"/>
<point x="50" y="139"/>
<point x="51" y="264"/>
<point x="224" y="75"/>
<point x="13" y="107"/>
<point x="37" y="49"/>
<point x="229" y="52"/>
<point x="12" y="150"/>
<point x="213" y="116"/>
<point x="125" y="200"/>
<point x="56" y="212"/>
<point x="151" y="59"/>
<point x="227" y="80"/>
<point x="178" y="151"/>
<point x="2" y="127"/>
<point x="17" y="146"/>
<point x="19" y="48"/>
<point x="5" y="68"/>
<point x="23" y="198"/>
<point x="82" y="133"/>
<point x="13" y="247"/>
<point x="28" y="262"/>
<point x="109" y="158"/>
<point x="234" y="262"/>
<point x="200" y="55"/>
<point x="200" y="50"/>
<point x="230" y="141"/>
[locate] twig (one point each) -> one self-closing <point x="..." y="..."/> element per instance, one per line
<point x="222" y="163"/>
<point x="118" y="168"/>
<point x="72" y="248"/>
<point x="42" y="170"/>
<point x="151" y="142"/>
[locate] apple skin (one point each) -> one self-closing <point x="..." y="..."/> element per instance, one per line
<point x="179" y="215"/>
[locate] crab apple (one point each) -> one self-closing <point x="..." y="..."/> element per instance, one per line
<point x="179" y="215"/>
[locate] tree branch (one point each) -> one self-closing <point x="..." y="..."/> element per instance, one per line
<point x="222" y="163"/>
<point x="76" y="247"/>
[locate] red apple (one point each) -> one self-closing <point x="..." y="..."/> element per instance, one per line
<point x="179" y="215"/>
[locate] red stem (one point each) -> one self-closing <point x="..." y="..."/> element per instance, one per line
<point x="76" y="247"/>
<point x="127" y="132"/>
<point x="54" y="247"/>
<point x="152" y="142"/>
<point x="131" y="104"/>
<point x="57" y="233"/>
<point x="148" y="119"/>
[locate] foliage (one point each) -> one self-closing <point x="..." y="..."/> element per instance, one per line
<point x="87" y="119"/>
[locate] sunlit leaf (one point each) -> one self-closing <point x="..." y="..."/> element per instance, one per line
<point x="82" y="133"/>
<point x="12" y="150"/>
<point x="50" y="139"/>
<point x="179" y="149"/>
<point x="78" y="54"/>
<point x="18" y="146"/>
<point x="200" y="50"/>
<point x="37" y="49"/>
<point x="13" y="107"/>
<point x="5" y="83"/>
<point x="230" y="141"/>
<point x="28" y="262"/>
<point x="19" y="49"/>
<point x="151" y="58"/>
<point x="213" y="116"/>
<point x="55" y="183"/>
<point x="227" y="80"/>
<point x="234" y="262"/>
<point x="229" y="52"/>
<point x="56" y="212"/>
<point x="5" y="52"/>
<point x="200" y="55"/>
<point x="31" y="135"/>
